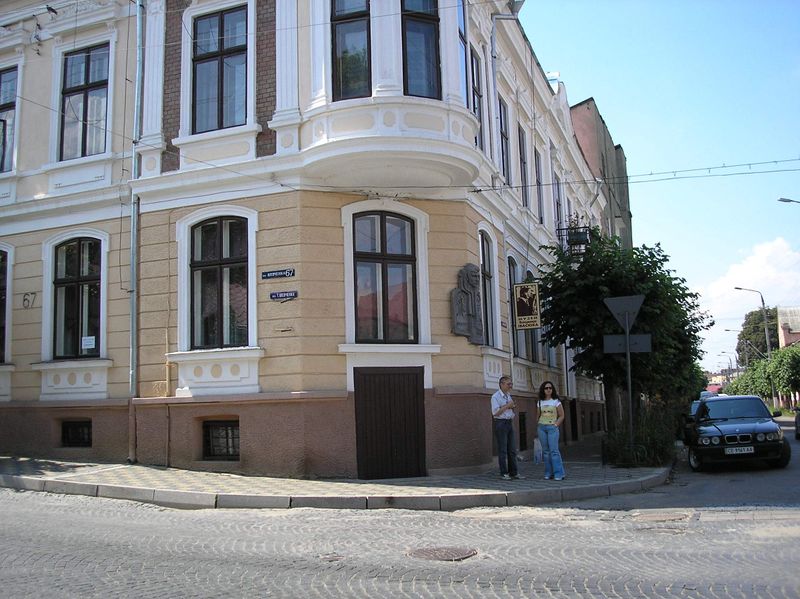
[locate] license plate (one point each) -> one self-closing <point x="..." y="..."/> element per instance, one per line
<point x="734" y="450"/>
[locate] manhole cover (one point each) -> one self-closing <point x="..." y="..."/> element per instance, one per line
<point x="443" y="554"/>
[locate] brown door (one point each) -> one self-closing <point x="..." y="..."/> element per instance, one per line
<point x="390" y="422"/>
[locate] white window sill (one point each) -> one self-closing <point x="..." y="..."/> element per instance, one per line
<point x="74" y="379"/>
<point x="221" y="146"/>
<point x="388" y="348"/>
<point x="226" y="371"/>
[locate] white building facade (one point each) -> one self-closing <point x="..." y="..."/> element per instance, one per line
<point x="313" y="177"/>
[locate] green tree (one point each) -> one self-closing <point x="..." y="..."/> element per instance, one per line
<point x="753" y="381"/>
<point x="752" y="335"/>
<point x="574" y="286"/>
<point x="784" y="368"/>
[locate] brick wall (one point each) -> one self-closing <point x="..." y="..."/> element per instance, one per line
<point x="264" y="85"/>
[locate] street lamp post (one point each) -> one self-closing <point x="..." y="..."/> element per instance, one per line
<point x="764" y="312"/>
<point x="766" y="332"/>
<point x="788" y="201"/>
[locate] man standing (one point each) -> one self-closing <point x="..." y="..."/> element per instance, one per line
<point x="503" y="422"/>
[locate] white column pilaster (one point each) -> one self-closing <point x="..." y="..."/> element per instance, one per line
<point x="320" y="52"/>
<point x="386" y="50"/>
<point x="450" y="52"/>
<point x="286" y="119"/>
<point x="152" y="141"/>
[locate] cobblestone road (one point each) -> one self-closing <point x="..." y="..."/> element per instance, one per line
<point x="70" y="546"/>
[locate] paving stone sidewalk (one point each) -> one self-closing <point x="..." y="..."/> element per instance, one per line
<point x="586" y="477"/>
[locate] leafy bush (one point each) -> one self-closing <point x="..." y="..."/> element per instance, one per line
<point x="653" y="442"/>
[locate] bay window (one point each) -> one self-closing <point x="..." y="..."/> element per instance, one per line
<point x="421" y="67"/>
<point x="351" y="53"/>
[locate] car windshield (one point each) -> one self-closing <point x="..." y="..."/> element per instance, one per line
<point x="693" y="409"/>
<point x="748" y="407"/>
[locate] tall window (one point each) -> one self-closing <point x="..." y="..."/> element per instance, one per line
<point x="556" y="202"/>
<point x="77" y="298"/>
<point x="512" y="280"/>
<point x="385" y="282"/>
<point x="463" y="63"/>
<point x="219" y="283"/>
<point x="219" y="70"/>
<point x="477" y="97"/>
<point x="84" y="97"/>
<point x="505" y="166"/>
<point x="537" y="164"/>
<point x="421" y="48"/>
<point x="523" y="164"/>
<point x="3" y="291"/>
<point x="351" y="56"/>
<point x="487" y="288"/>
<point x="8" y="102"/>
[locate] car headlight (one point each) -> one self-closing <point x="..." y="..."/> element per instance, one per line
<point x="709" y="440"/>
<point x="715" y="440"/>
<point x="762" y="436"/>
<point x="776" y="436"/>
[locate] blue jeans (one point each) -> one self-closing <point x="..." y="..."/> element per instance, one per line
<point x="548" y="437"/>
<point x="506" y="446"/>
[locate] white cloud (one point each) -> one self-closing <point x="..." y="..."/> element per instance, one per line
<point x="773" y="268"/>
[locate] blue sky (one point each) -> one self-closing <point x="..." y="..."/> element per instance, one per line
<point x="696" y="84"/>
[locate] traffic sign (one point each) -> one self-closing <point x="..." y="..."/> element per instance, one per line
<point x="625" y="309"/>
<point x="615" y="344"/>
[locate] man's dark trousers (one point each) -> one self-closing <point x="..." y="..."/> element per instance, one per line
<point x="506" y="446"/>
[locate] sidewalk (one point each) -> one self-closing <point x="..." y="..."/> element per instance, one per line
<point x="586" y="477"/>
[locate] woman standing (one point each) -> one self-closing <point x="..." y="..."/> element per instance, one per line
<point x="551" y="415"/>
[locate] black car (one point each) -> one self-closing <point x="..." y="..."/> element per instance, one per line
<point x="735" y="428"/>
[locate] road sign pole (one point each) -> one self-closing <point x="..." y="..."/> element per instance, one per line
<point x="628" y="363"/>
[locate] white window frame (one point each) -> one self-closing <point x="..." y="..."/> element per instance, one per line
<point x="17" y="62"/>
<point x="48" y="268"/>
<point x="199" y="9"/>
<point x="9" y="250"/>
<point x="183" y="233"/>
<point x="485" y="227"/>
<point x="66" y="46"/>
<point x="388" y="354"/>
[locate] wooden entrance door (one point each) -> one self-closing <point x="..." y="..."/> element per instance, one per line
<point x="390" y="422"/>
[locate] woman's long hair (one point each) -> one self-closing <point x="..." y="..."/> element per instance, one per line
<point x="541" y="391"/>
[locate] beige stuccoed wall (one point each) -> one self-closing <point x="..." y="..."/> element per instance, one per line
<point x="301" y="337"/>
<point x="26" y="324"/>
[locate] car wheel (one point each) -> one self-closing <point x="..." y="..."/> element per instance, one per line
<point x="695" y="461"/>
<point x="786" y="455"/>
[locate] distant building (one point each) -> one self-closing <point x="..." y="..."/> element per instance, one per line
<point x="788" y="326"/>
<point x="608" y="165"/>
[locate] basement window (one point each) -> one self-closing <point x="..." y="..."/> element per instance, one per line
<point x="221" y="440"/>
<point x="76" y="433"/>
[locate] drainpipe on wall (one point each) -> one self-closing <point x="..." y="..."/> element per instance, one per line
<point x="133" y="290"/>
